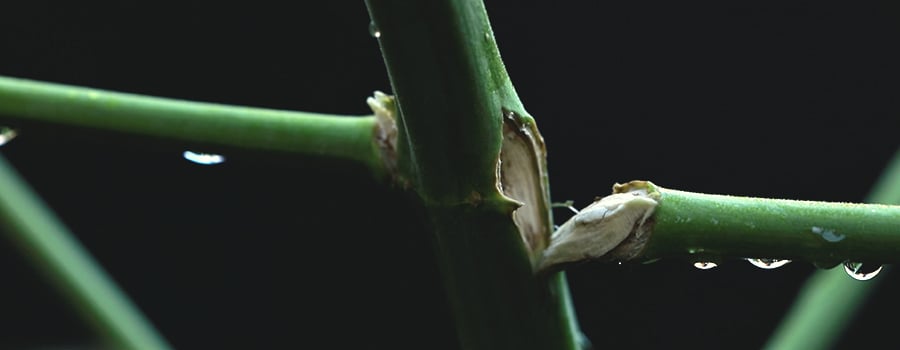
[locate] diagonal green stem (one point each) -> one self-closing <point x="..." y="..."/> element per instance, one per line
<point x="342" y="137"/>
<point x="31" y="225"/>
<point x="829" y="300"/>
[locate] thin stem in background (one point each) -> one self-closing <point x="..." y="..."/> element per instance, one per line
<point x="43" y="239"/>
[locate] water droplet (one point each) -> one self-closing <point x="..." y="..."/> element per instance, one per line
<point x="768" y="263"/>
<point x="373" y="30"/>
<point x="861" y="271"/>
<point x="827" y="234"/>
<point x="705" y="265"/>
<point x="204" y="158"/>
<point x="7" y="134"/>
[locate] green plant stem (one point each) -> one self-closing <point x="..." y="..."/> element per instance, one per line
<point x="711" y="226"/>
<point x="450" y="87"/>
<point x="31" y="225"/>
<point x="452" y="90"/>
<point x="343" y="137"/>
<point x="828" y="301"/>
<point x="887" y="189"/>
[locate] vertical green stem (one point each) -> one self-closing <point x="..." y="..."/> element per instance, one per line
<point x="452" y="92"/>
<point x="31" y="225"/>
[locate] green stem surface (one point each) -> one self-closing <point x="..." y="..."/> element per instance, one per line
<point x="829" y="300"/>
<point x="31" y="225"/>
<point x="453" y="94"/>
<point x="26" y="101"/>
<point x="825" y="233"/>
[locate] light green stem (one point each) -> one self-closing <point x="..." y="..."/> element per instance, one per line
<point x="711" y="226"/>
<point x="26" y="101"/>
<point x="31" y="225"/>
<point x="829" y="300"/>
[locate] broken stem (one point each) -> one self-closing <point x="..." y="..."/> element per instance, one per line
<point x="706" y="227"/>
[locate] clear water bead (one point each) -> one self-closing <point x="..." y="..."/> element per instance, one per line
<point x="204" y="158"/>
<point x="373" y="30"/>
<point x="6" y="135"/>
<point x="705" y="265"/>
<point x="861" y="271"/>
<point x="768" y="263"/>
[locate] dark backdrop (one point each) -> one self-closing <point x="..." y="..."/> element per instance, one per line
<point x="788" y="100"/>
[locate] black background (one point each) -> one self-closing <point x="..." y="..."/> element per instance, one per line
<point x="790" y="100"/>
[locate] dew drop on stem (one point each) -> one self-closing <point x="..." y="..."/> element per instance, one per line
<point x="7" y="134"/>
<point x="768" y="263"/>
<point x="705" y="265"/>
<point x="204" y="158"/>
<point x="862" y="271"/>
<point x="373" y="30"/>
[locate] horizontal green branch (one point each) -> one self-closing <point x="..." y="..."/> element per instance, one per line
<point x="42" y="238"/>
<point x="829" y="301"/>
<point x="823" y="233"/>
<point x="642" y="221"/>
<point x="343" y="137"/>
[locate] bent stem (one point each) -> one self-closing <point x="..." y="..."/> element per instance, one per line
<point x="25" y="101"/>
<point x="31" y="225"/>
<point x="828" y="301"/>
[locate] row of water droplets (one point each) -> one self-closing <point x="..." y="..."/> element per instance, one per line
<point x="857" y="270"/>
<point x="760" y="263"/>
<point x="7" y="134"/>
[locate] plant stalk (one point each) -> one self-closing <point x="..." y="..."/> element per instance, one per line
<point x="25" y="101"/>
<point x="454" y="98"/>
<point x="824" y="233"/>
<point x="642" y="221"/>
<point x="43" y="239"/>
<point x="829" y="300"/>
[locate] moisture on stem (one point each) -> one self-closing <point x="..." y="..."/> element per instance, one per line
<point x="351" y="138"/>
<point x="705" y="227"/>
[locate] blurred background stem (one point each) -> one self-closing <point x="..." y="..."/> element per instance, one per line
<point x="27" y="221"/>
